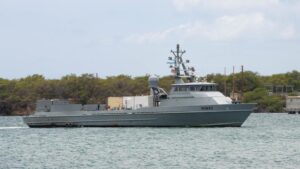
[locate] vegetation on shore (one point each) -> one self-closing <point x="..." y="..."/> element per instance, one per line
<point x="18" y="96"/>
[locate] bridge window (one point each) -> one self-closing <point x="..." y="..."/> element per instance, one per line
<point x="182" y="88"/>
<point x="194" y="88"/>
<point x="203" y="88"/>
<point x="175" y="89"/>
<point x="198" y="88"/>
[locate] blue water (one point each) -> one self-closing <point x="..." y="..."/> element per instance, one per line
<point x="264" y="141"/>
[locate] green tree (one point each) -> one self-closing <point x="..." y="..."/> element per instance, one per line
<point x="265" y="103"/>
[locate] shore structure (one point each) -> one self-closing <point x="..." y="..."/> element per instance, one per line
<point x="189" y="104"/>
<point x="293" y="104"/>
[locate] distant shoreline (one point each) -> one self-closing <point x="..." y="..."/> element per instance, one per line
<point x="18" y="96"/>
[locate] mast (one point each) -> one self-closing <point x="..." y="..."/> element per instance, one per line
<point x="233" y="84"/>
<point x="225" y="87"/>
<point x="178" y="63"/>
<point x="242" y="85"/>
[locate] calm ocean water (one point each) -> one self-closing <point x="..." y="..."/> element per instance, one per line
<point x="264" y="141"/>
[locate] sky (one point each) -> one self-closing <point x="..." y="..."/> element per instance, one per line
<point x="59" y="37"/>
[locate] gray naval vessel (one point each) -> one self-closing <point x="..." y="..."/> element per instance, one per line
<point x="189" y="104"/>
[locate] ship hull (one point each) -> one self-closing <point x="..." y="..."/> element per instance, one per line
<point x="196" y="116"/>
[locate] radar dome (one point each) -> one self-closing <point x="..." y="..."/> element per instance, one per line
<point x="153" y="81"/>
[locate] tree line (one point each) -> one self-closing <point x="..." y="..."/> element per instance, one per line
<point x="18" y="96"/>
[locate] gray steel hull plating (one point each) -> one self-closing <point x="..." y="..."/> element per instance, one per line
<point x="183" y="116"/>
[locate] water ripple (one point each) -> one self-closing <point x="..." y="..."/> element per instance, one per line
<point x="265" y="141"/>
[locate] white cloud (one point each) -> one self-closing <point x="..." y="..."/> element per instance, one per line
<point x="230" y="27"/>
<point x="223" y="4"/>
<point x="231" y="20"/>
<point x="277" y="8"/>
<point x="157" y="36"/>
<point x="224" y="28"/>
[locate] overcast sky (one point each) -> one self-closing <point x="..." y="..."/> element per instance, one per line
<point x="134" y="37"/>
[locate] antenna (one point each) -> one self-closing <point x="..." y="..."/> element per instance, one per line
<point x="233" y="83"/>
<point x="242" y="85"/>
<point x="178" y="63"/>
<point x="225" y="81"/>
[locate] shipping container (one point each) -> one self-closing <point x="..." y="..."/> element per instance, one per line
<point x="136" y="102"/>
<point x="115" y="103"/>
<point x="91" y="107"/>
<point x="45" y="105"/>
<point x="66" y="107"/>
<point x="293" y="104"/>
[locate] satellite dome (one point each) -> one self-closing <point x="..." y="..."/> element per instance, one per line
<point x="153" y="81"/>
